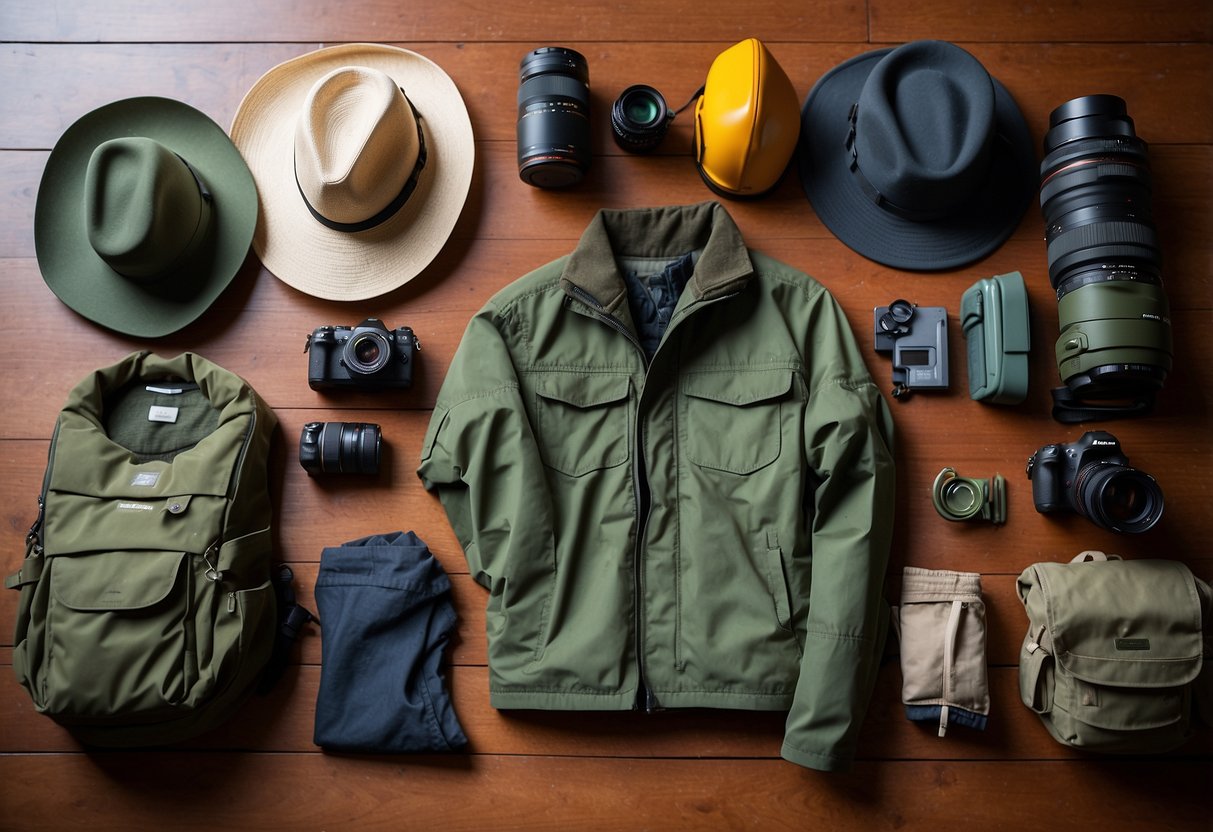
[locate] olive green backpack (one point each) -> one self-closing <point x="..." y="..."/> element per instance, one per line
<point x="147" y="608"/>
<point x="1114" y="653"/>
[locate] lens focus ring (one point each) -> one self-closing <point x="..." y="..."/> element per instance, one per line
<point x="1101" y="234"/>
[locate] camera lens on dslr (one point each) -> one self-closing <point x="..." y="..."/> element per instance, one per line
<point x="1104" y="259"/>
<point x="1092" y="477"/>
<point x="339" y="448"/>
<point x="640" y="118"/>
<point x="553" y="117"/>
<point x="366" y="352"/>
<point x="1118" y="498"/>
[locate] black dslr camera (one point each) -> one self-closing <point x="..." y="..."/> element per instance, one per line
<point x="368" y="355"/>
<point x="1092" y="477"/>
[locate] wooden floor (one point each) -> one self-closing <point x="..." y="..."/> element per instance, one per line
<point x="61" y="58"/>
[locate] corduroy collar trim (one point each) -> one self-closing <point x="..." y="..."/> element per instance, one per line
<point x="723" y="265"/>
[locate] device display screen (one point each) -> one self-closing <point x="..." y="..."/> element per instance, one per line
<point x="915" y="358"/>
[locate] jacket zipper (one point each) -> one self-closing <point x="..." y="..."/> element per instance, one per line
<point x="646" y="700"/>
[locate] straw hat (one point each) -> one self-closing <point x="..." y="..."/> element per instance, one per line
<point x="144" y="215"/>
<point x="363" y="157"/>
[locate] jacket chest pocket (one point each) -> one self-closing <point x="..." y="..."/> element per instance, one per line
<point x="583" y="421"/>
<point x="733" y="418"/>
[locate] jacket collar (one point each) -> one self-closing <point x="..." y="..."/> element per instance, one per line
<point x="723" y="265"/>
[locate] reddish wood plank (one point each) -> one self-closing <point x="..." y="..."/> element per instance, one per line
<point x="1086" y="20"/>
<point x="128" y="793"/>
<point x="214" y="78"/>
<point x="283" y="722"/>
<point x="456" y="20"/>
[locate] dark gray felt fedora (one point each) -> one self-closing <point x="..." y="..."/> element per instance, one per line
<point x="916" y="157"/>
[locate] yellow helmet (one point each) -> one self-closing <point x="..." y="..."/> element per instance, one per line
<point x="746" y="122"/>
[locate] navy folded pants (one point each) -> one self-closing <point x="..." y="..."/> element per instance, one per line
<point x="386" y="614"/>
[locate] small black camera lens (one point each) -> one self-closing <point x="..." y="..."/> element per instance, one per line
<point x="640" y="119"/>
<point x="340" y="448"/>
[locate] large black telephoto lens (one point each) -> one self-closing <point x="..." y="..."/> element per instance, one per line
<point x="339" y="448"/>
<point x="553" y="117"/>
<point x="1104" y="261"/>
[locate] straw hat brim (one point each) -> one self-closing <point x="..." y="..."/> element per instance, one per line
<point x="337" y="265"/>
<point x="85" y="282"/>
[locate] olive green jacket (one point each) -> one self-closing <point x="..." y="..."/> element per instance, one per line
<point x="706" y="529"/>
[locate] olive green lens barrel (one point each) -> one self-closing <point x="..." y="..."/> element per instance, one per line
<point x="1116" y="322"/>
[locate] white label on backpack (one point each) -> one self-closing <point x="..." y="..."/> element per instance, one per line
<point x="146" y="478"/>
<point x="160" y="413"/>
<point x="170" y="391"/>
<point x="135" y="507"/>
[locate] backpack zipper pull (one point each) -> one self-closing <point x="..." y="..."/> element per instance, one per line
<point x="212" y="574"/>
<point x="35" y="531"/>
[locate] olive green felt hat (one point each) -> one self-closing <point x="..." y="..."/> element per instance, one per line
<point x="144" y="215"/>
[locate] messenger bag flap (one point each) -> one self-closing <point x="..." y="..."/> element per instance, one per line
<point x="1129" y="624"/>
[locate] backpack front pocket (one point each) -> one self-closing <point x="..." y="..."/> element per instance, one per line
<point x="120" y="633"/>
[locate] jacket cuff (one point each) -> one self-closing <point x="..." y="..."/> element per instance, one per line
<point x="817" y="760"/>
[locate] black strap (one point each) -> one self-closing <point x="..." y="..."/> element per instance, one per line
<point x="392" y="207"/>
<point x="292" y="618"/>
<point x="871" y="191"/>
<point x="694" y="96"/>
<point x="1071" y="410"/>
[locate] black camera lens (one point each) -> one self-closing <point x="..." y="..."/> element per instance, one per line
<point x="640" y="118"/>
<point x="339" y="448"/>
<point x="553" y="117"/>
<point x="1104" y="258"/>
<point x="366" y="352"/>
<point x="1118" y="498"/>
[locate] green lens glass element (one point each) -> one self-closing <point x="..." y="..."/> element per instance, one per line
<point x="640" y="118"/>
<point x="641" y="109"/>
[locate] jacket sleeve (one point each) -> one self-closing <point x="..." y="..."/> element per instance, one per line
<point x="848" y="439"/>
<point x="480" y="456"/>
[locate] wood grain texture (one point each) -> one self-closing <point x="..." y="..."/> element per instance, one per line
<point x="282" y="722"/>
<point x="214" y="77"/>
<point x="695" y="769"/>
<point x="1114" y="20"/>
<point x="121" y="793"/>
<point x="454" y="20"/>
